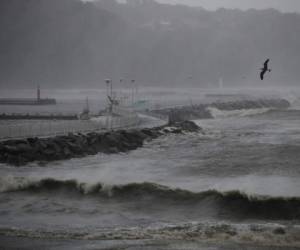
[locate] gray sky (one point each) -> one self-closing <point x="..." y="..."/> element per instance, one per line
<point x="283" y="5"/>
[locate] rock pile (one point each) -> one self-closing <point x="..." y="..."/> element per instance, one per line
<point x="21" y="152"/>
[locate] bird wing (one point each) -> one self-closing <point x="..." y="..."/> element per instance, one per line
<point x="266" y="63"/>
<point x="262" y="73"/>
<point x="261" y="76"/>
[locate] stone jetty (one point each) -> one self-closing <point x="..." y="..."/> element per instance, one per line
<point x="22" y="152"/>
<point x="202" y="111"/>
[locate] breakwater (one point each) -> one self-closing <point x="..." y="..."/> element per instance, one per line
<point x="202" y="111"/>
<point x="21" y="152"/>
<point x="27" y="101"/>
<point x="4" y="116"/>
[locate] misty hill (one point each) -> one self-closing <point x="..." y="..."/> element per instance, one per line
<point x="71" y="43"/>
<point x="55" y="42"/>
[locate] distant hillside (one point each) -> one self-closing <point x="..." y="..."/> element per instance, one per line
<point x="55" y="42"/>
<point x="71" y="43"/>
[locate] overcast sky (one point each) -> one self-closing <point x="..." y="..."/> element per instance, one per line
<point x="283" y="5"/>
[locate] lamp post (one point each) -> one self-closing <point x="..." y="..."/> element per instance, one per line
<point x="107" y="81"/>
<point x="109" y="107"/>
<point x="121" y="90"/>
<point x="132" y="94"/>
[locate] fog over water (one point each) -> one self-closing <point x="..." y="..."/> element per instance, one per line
<point x="150" y="183"/>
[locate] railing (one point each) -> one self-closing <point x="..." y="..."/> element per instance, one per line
<point x="53" y="128"/>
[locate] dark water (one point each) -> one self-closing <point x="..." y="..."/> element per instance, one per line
<point x="237" y="184"/>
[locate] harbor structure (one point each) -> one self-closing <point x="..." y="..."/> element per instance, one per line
<point x="29" y="101"/>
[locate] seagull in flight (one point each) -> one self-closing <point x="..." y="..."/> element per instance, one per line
<point x="265" y="69"/>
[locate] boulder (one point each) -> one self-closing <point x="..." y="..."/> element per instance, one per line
<point x="32" y="140"/>
<point x="12" y="159"/>
<point x="138" y="134"/>
<point x="11" y="149"/>
<point x="49" y="152"/>
<point x="177" y="131"/>
<point x="112" y="150"/>
<point x="133" y="137"/>
<point x="279" y="231"/>
<point x="110" y="139"/>
<point x="41" y="144"/>
<point x="67" y="152"/>
<point x="93" y="139"/>
<point x="187" y="126"/>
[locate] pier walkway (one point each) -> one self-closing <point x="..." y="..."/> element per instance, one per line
<point x="11" y="129"/>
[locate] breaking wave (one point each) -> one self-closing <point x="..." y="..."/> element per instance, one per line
<point x="217" y="113"/>
<point x="246" y="107"/>
<point x="233" y="204"/>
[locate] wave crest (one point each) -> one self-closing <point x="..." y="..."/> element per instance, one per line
<point x="228" y="204"/>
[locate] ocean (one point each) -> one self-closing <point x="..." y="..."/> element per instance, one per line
<point x="235" y="186"/>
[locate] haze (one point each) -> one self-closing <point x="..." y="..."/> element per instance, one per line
<point x="282" y="5"/>
<point x="63" y="43"/>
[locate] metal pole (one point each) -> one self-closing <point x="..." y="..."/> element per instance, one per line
<point x="132" y="91"/>
<point x="111" y="89"/>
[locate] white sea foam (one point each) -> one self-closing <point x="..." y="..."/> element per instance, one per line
<point x="222" y="232"/>
<point x="217" y="113"/>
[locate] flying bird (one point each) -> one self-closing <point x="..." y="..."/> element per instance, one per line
<point x="265" y="69"/>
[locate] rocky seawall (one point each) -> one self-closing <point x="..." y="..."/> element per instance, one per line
<point x="202" y="111"/>
<point x="21" y="152"/>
